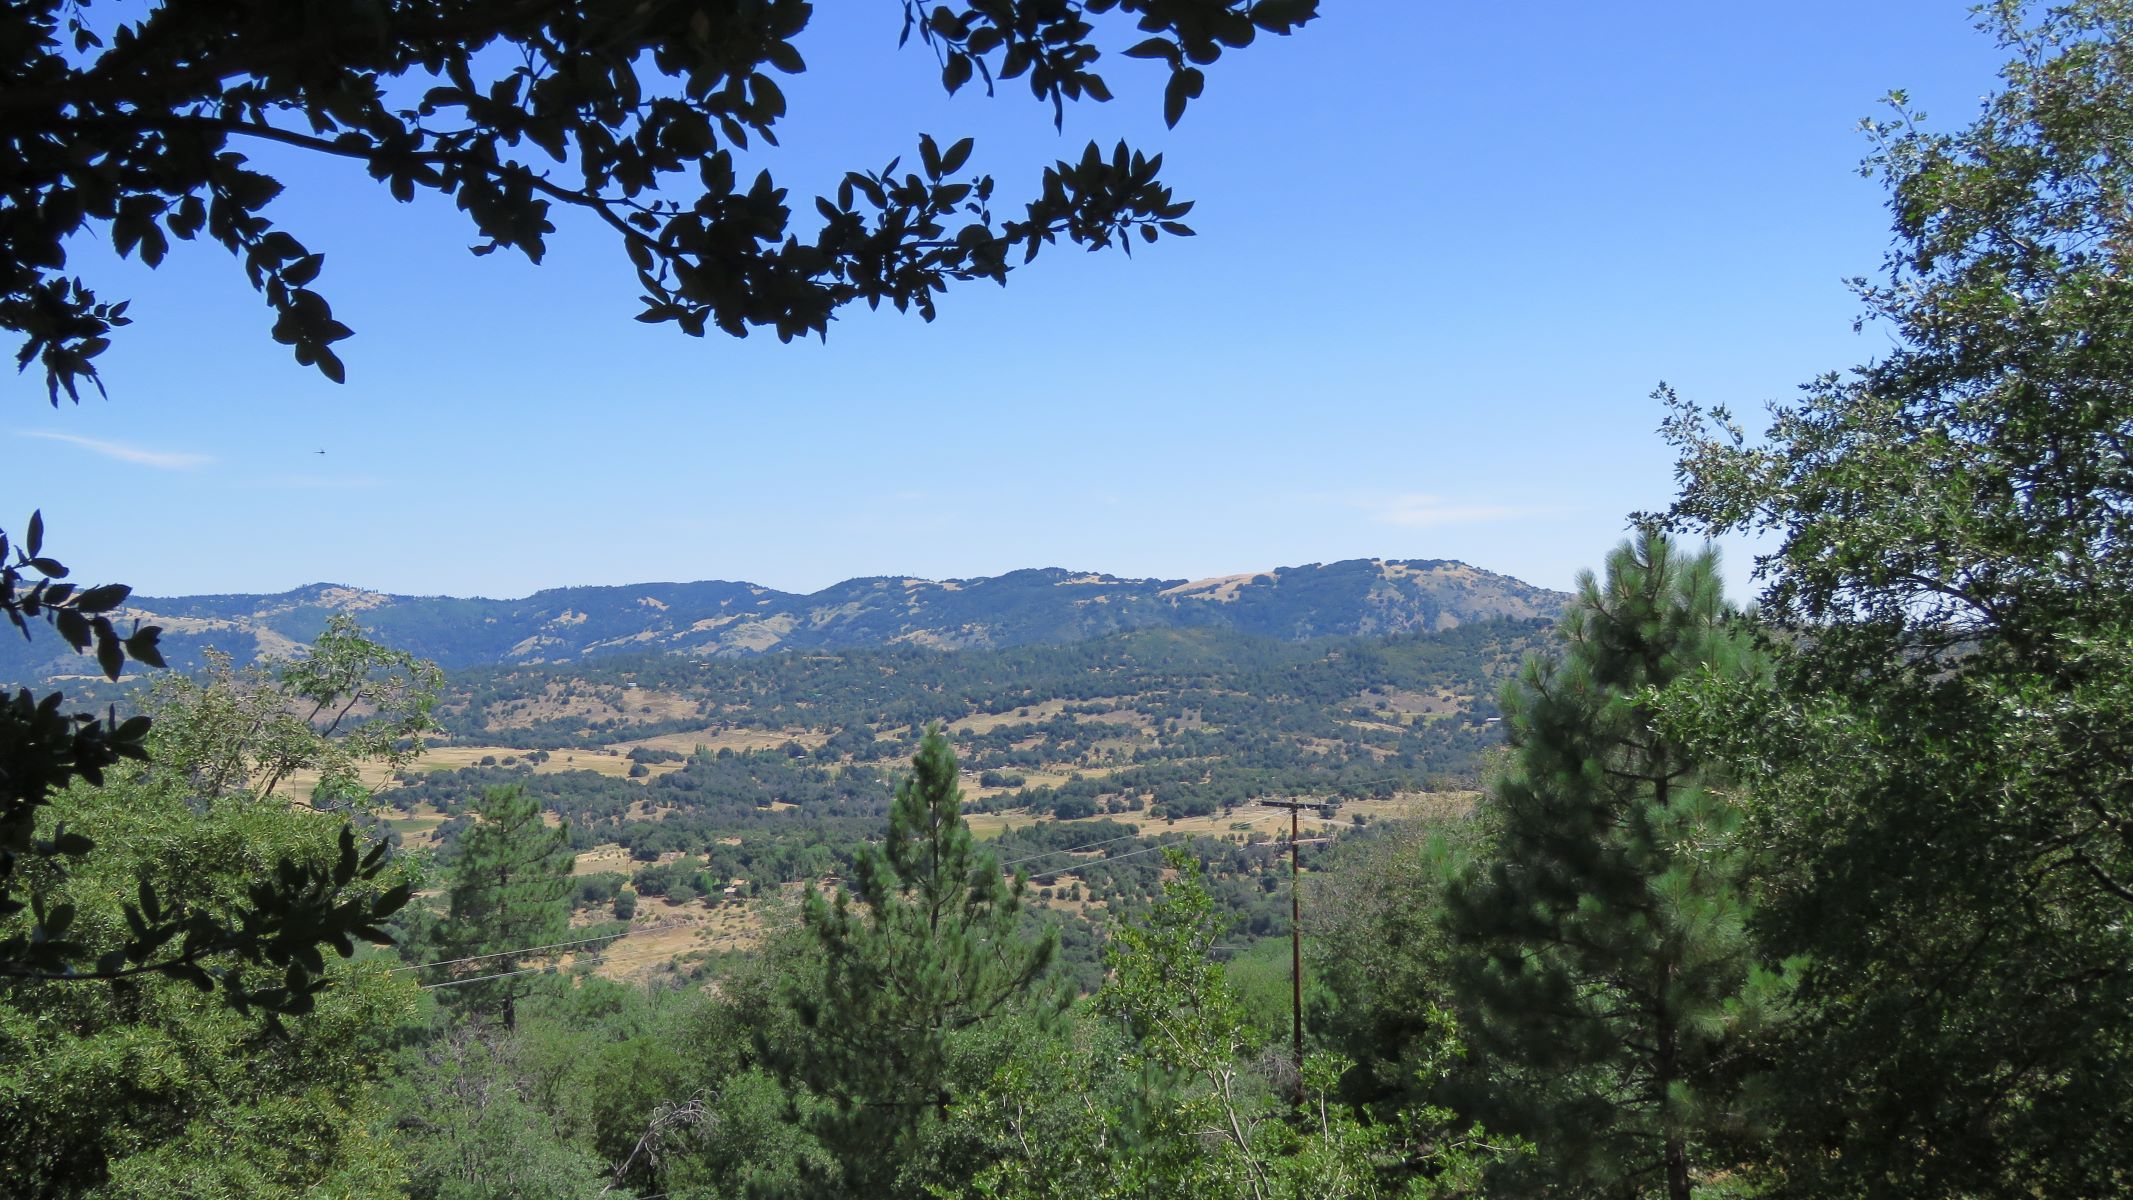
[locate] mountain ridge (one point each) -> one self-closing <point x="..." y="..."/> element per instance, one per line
<point x="714" y="618"/>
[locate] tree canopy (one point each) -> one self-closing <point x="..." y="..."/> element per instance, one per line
<point x="1839" y="911"/>
<point x="241" y="736"/>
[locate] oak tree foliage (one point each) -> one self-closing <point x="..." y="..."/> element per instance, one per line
<point x="1938" y="781"/>
<point x="145" y="1085"/>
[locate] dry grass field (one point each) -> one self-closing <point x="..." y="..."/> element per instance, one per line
<point x="1247" y="820"/>
<point x="665" y="934"/>
<point x="660" y="935"/>
<point x="740" y="741"/>
<point x="417" y="829"/>
<point x="446" y="756"/>
<point x="987" y="722"/>
<point x="614" y="858"/>
<point x="987" y="826"/>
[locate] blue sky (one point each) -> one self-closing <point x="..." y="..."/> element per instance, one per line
<point x="1445" y="253"/>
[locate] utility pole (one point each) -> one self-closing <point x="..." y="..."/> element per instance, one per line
<point x="1296" y="944"/>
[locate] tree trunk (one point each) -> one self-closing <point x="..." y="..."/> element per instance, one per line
<point x="1665" y="1071"/>
<point x="1668" y="1042"/>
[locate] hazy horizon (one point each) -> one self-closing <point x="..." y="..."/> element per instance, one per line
<point x="143" y="594"/>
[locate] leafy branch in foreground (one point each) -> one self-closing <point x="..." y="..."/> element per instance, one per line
<point x="284" y="919"/>
<point x="80" y="615"/>
<point x="632" y="114"/>
<point x="289" y="916"/>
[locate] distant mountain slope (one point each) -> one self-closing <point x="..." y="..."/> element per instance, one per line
<point x="1356" y="597"/>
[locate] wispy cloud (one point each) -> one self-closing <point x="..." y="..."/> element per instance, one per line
<point x="167" y="460"/>
<point x="1421" y="510"/>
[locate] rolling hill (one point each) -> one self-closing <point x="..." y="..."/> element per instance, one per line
<point x="1357" y="597"/>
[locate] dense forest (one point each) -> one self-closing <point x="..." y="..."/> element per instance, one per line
<point x="1820" y="892"/>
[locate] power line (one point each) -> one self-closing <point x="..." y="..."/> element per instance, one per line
<point x="1295" y="938"/>
<point x="431" y="987"/>
<point x="1108" y="858"/>
<point x="1068" y="850"/>
<point x="546" y="966"/>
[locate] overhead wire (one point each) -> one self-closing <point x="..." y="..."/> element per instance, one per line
<point x="431" y="987"/>
<point x="1108" y="858"/>
<point x="535" y="949"/>
<point x="1067" y="850"/>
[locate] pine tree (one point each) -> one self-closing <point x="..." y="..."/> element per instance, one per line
<point x="508" y="893"/>
<point x="1602" y="946"/>
<point x="932" y="947"/>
